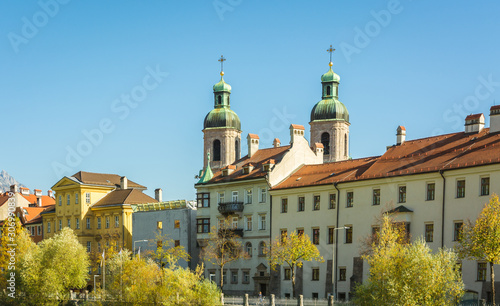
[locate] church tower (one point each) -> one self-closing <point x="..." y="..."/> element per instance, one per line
<point x="330" y="119"/>
<point x="222" y="128"/>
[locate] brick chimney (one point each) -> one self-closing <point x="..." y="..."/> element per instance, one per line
<point x="253" y="144"/>
<point x="123" y="182"/>
<point x="495" y="119"/>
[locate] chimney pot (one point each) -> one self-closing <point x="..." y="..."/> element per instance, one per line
<point x="159" y="194"/>
<point x="50" y="193"/>
<point x="276" y="143"/>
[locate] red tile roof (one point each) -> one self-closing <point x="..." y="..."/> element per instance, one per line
<point x="319" y="145"/>
<point x="432" y="154"/>
<point x="402" y="128"/>
<point x="473" y="116"/>
<point x="253" y="136"/>
<point x="46" y="200"/>
<point x="103" y="179"/>
<point x="495" y="107"/>
<point x="38" y="218"/>
<point x="257" y="160"/>
<point x="297" y="126"/>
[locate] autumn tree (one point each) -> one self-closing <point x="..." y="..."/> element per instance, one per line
<point x="292" y="250"/>
<point x="408" y="273"/>
<point x="166" y="252"/>
<point x="223" y="246"/>
<point x="481" y="241"/>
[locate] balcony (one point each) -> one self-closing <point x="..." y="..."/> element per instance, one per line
<point x="236" y="231"/>
<point x="230" y="207"/>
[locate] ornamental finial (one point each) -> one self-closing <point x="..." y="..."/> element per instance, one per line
<point x="331" y="52"/>
<point x="221" y="60"/>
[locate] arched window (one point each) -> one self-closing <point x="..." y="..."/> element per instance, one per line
<point x="325" y="140"/>
<point x="236" y="150"/>
<point x="227" y="100"/>
<point x="219" y="100"/>
<point x="248" y="248"/>
<point x="262" y="248"/>
<point x="328" y="90"/>
<point x="345" y="144"/>
<point x="216" y="150"/>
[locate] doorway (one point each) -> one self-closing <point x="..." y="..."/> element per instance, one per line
<point x="263" y="289"/>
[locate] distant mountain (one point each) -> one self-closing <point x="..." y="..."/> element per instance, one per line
<point x="6" y="180"/>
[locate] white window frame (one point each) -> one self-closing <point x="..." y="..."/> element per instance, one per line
<point x="248" y="223"/>
<point x="87" y="197"/>
<point x="248" y="196"/>
<point x="117" y="221"/>
<point x="262" y="195"/>
<point x="68" y="199"/>
<point x="220" y="197"/>
<point x="234" y="196"/>
<point x="262" y="222"/>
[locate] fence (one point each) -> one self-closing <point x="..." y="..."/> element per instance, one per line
<point x="273" y="301"/>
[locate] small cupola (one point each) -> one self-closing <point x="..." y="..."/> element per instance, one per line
<point x="474" y="123"/>
<point x="276" y="143"/>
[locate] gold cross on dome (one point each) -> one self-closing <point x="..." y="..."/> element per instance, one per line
<point x="221" y="60"/>
<point x="331" y="52"/>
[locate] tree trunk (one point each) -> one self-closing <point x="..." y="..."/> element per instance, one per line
<point x="292" y="268"/>
<point x="221" y="277"/>
<point x="492" y="270"/>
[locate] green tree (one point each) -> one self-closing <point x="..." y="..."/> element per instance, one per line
<point x="224" y="246"/>
<point x="293" y="251"/>
<point x="408" y="274"/>
<point x="56" y="265"/>
<point x="481" y="241"/>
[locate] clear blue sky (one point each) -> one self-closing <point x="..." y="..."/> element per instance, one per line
<point x="65" y="69"/>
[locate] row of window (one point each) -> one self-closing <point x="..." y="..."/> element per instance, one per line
<point x="245" y="273"/>
<point x="36" y="229"/>
<point x="316" y="204"/>
<point x="341" y="275"/>
<point x="159" y="224"/>
<point x="262" y="249"/>
<point x="77" y="200"/>
<point x="203" y="198"/>
<point x="203" y="224"/>
<point x="99" y="249"/>
<point x="87" y="224"/>
<point x="315" y="237"/>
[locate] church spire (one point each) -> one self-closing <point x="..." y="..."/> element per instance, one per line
<point x="207" y="174"/>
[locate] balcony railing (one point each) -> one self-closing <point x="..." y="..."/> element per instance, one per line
<point x="237" y="231"/>
<point x="230" y="207"/>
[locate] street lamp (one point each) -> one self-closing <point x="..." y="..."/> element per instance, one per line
<point x="139" y="241"/>
<point x="94" y="286"/>
<point x="334" y="267"/>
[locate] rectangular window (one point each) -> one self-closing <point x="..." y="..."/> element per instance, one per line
<point x="69" y="223"/>
<point x="88" y="223"/>
<point x="402" y="194"/>
<point x="98" y="222"/>
<point x="284" y="205"/>
<point x="68" y="199"/>
<point x="481" y="271"/>
<point x="220" y="197"/>
<point x="246" y="277"/>
<point x="342" y="274"/>
<point x="315" y="235"/>
<point x="60" y="224"/>
<point x="429" y="232"/>
<point x="461" y="189"/>
<point x="333" y="201"/>
<point x="107" y="222"/>
<point x="348" y="234"/>
<point x="89" y="246"/>
<point x="331" y="235"/>
<point x="87" y="197"/>
<point x="117" y="221"/>
<point x="485" y="186"/>
<point x="203" y="199"/>
<point x="31" y="229"/>
<point x="315" y="274"/>
<point x="262" y="222"/>
<point x="77" y="221"/>
<point x="177" y="223"/>
<point x="99" y="247"/>
<point x="301" y="204"/>
<point x="376" y="197"/>
<point x="235" y="222"/>
<point x="234" y="196"/>
<point x="287" y="273"/>
<point x="203" y="225"/>
<point x="234" y="276"/>
<point x="300" y="231"/>
<point x="177" y="243"/>
<point x="211" y="276"/>
<point x="248" y="223"/>
<point x="60" y="200"/>
<point x="431" y="191"/>
<point x="263" y="195"/>
<point x="457" y="228"/>
<point x="159" y="225"/>
<point x="316" y="202"/>
<point x="48" y="227"/>
<point x="248" y="196"/>
<point x="284" y="234"/>
<point x="76" y="198"/>
<point x="350" y="199"/>
<point x="224" y="277"/>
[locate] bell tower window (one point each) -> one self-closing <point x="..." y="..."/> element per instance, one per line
<point x="216" y="150"/>
<point x="219" y="100"/>
<point x="236" y="150"/>
<point x="328" y="90"/>
<point x="325" y="140"/>
<point x="345" y="144"/>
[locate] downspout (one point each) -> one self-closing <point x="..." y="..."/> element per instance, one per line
<point x="334" y="264"/>
<point x="443" y="205"/>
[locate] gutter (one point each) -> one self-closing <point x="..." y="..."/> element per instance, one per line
<point x="443" y="206"/>
<point x="334" y="264"/>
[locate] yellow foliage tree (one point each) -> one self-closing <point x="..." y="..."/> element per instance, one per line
<point x="293" y="251"/>
<point x="481" y="241"/>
